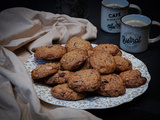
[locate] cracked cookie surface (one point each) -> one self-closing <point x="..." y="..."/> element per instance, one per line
<point x="109" y="48"/>
<point x="60" y="77"/>
<point x="111" y="85"/>
<point x="132" y="78"/>
<point x="74" y="59"/>
<point x="84" y="80"/>
<point x="122" y="64"/>
<point x="103" y="62"/>
<point x="78" y="42"/>
<point x="62" y="91"/>
<point x="50" y="52"/>
<point x="44" y="70"/>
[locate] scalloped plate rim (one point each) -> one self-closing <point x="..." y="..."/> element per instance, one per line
<point x="68" y="103"/>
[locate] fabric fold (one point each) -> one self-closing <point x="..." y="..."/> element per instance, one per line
<point x="19" y="100"/>
<point x="23" y="27"/>
<point x="20" y="26"/>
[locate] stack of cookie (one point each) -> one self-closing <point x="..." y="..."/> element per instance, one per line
<point x="78" y="69"/>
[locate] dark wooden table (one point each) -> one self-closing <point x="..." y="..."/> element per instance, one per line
<point x="146" y="106"/>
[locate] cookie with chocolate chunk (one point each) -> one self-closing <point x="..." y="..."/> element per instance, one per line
<point x="62" y="91"/>
<point x="74" y="59"/>
<point x="111" y="85"/>
<point x="84" y="80"/>
<point x="109" y="48"/>
<point x="44" y="70"/>
<point x="59" y="78"/>
<point x="50" y="52"/>
<point x="122" y="64"/>
<point x="103" y="62"/>
<point x="132" y="78"/>
<point x="78" y="42"/>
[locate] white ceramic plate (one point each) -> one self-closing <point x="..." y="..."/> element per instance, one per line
<point x="95" y="102"/>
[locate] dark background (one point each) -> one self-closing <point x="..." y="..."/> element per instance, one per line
<point x="146" y="106"/>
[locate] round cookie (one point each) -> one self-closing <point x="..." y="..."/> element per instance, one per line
<point x="111" y="85"/>
<point x="132" y="78"/>
<point x="74" y="59"/>
<point x="62" y="91"/>
<point x="109" y="48"/>
<point x="84" y="80"/>
<point x="59" y="78"/>
<point x="50" y="52"/>
<point x="103" y="62"/>
<point x="122" y="64"/>
<point x="44" y="70"/>
<point x="78" y="42"/>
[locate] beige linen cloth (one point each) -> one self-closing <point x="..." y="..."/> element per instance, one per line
<point x="23" y="30"/>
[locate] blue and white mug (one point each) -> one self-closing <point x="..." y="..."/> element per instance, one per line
<point x="134" y="36"/>
<point x="111" y="13"/>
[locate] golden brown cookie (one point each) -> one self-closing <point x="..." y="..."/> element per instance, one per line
<point x="50" y="52"/>
<point x="74" y="59"/>
<point x="119" y="53"/>
<point x="111" y="85"/>
<point x="62" y="91"/>
<point x="84" y="80"/>
<point x="44" y="70"/>
<point x="87" y="64"/>
<point x="122" y="64"/>
<point x="109" y="48"/>
<point x="59" y="78"/>
<point x="103" y="62"/>
<point x="132" y="78"/>
<point x="78" y="42"/>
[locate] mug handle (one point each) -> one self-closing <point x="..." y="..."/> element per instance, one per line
<point x="158" y="37"/>
<point x="135" y="7"/>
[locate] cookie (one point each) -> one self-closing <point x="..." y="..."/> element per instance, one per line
<point x="103" y="62"/>
<point x="122" y="64"/>
<point x="84" y="80"/>
<point x="50" y="52"/>
<point x="87" y="64"/>
<point x="74" y="59"/>
<point x="109" y="48"/>
<point x="132" y="78"/>
<point x="111" y="85"/>
<point x="59" y="78"/>
<point x="119" y="53"/>
<point x="62" y="91"/>
<point x="78" y="42"/>
<point x="44" y="70"/>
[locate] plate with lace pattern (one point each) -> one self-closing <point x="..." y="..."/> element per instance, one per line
<point x="92" y="102"/>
